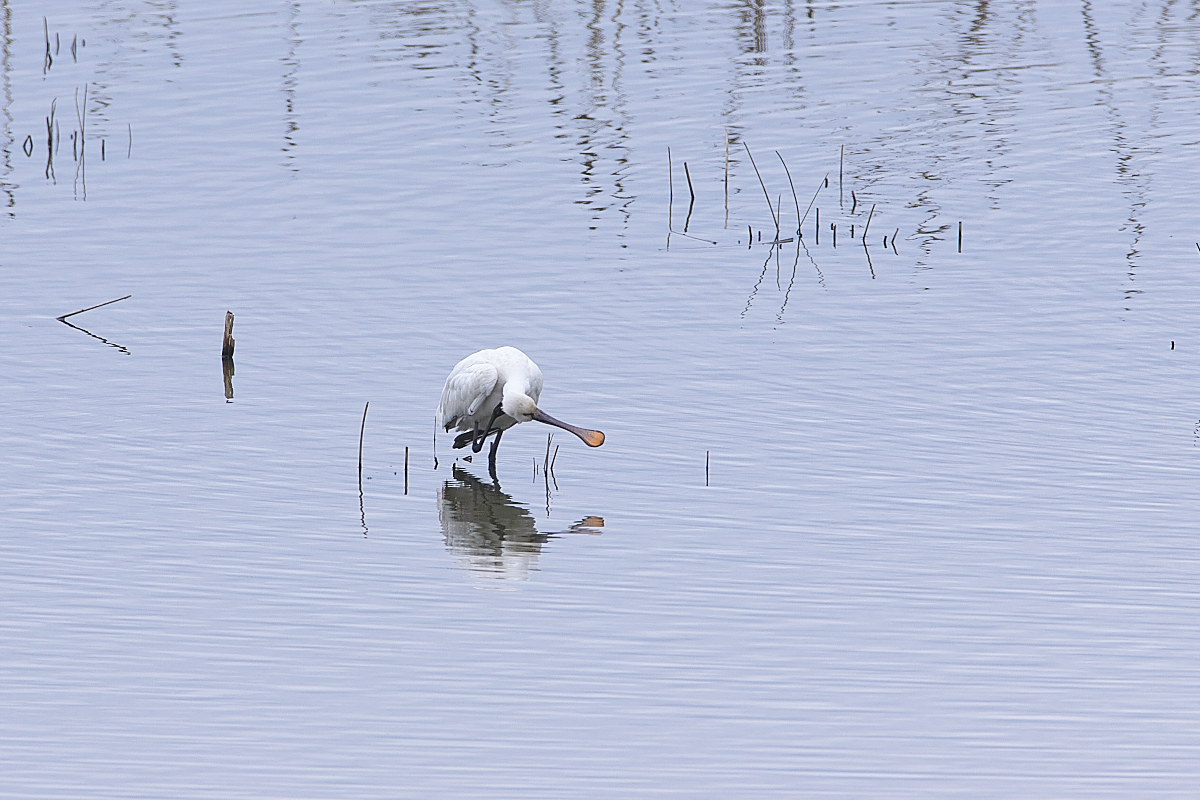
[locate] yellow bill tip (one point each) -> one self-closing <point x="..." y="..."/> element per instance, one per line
<point x="592" y="438"/>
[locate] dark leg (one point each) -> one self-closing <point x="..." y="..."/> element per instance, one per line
<point x="477" y="439"/>
<point x="492" y="456"/>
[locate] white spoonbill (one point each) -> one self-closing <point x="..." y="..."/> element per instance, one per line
<point x="492" y="390"/>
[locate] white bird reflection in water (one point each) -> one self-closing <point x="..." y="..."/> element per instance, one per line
<point x="492" y="535"/>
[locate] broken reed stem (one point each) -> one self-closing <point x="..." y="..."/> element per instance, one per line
<point x="553" y="459"/>
<point x="792" y="185"/>
<point x="763" y="184"/>
<point x="405" y="469"/>
<point x="227" y="343"/>
<point x="546" y="461"/>
<point x="706" y="460"/>
<point x="960" y="236"/>
<point x="89" y="308"/>
<point x="868" y="225"/>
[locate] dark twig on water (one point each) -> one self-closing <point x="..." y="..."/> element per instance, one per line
<point x="362" y="506"/>
<point x="63" y="320"/>
<point x="361" y="432"/>
<point x="90" y="308"/>
<point x="960" y="236"/>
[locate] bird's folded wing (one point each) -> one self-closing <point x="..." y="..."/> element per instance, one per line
<point x="465" y="390"/>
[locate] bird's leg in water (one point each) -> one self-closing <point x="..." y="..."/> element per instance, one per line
<point x="492" y="456"/>
<point x="477" y="439"/>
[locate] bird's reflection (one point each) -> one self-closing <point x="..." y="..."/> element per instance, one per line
<point x="491" y="534"/>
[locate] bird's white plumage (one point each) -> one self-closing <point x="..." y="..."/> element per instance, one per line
<point x="477" y="386"/>
<point x="489" y="392"/>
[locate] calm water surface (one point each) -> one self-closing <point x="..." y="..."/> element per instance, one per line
<point x="906" y="516"/>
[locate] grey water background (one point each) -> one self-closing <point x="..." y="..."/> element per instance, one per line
<point x="891" y="520"/>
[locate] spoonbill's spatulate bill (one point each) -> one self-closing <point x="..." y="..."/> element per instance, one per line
<point x="490" y="391"/>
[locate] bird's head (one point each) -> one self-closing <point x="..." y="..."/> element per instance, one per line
<point x="519" y="406"/>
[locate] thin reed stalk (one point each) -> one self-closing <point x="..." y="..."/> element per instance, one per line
<point x="763" y="184"/>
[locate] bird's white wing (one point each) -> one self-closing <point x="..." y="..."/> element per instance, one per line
<point x="466" y="388"/>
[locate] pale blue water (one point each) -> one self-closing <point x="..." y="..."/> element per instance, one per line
<point x="946" y="546"/>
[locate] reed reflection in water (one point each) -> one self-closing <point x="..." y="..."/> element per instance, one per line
<point x="491" y="534"/>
